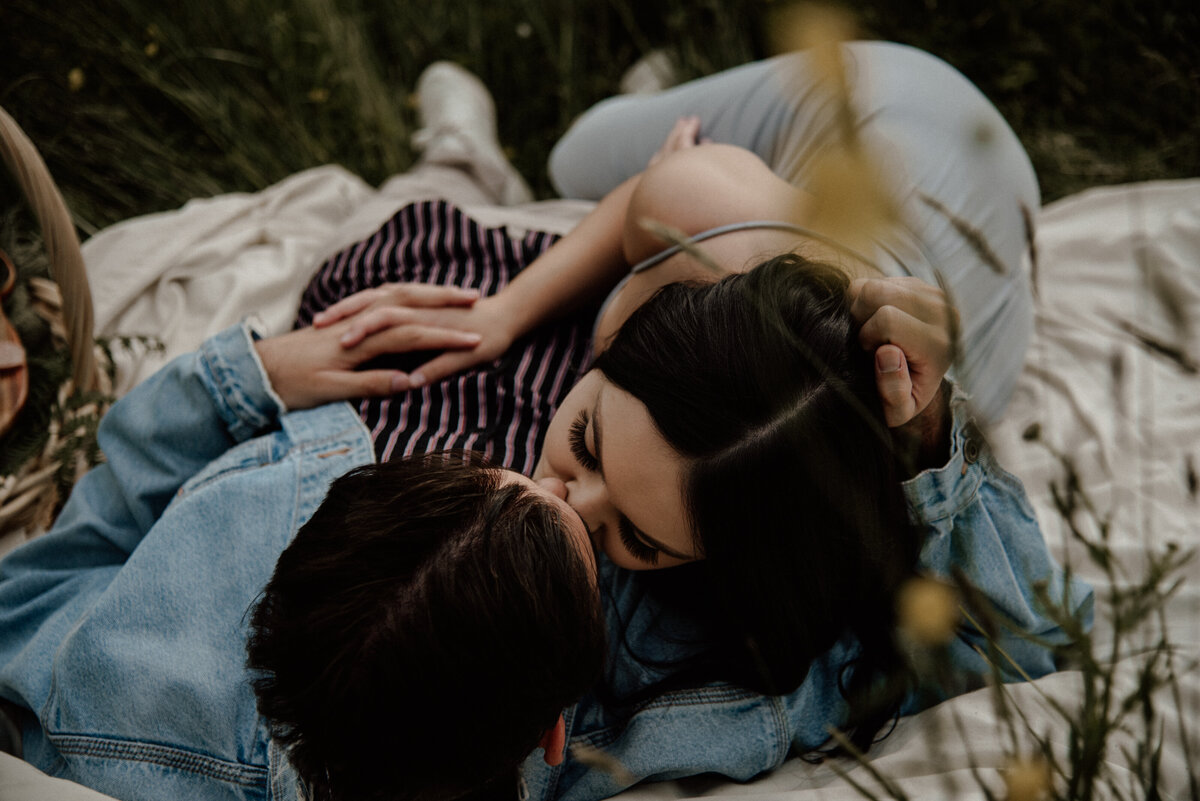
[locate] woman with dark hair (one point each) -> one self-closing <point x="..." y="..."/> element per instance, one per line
<point x="790" y="411"/>
<point x="777" y="431"/>
<point x="737" y="429"/>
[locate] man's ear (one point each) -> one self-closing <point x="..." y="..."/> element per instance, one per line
<point x="554" y="741"/>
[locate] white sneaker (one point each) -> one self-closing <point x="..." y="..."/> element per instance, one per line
<point x="651" y="73"/>
<point x="458" y="127"/>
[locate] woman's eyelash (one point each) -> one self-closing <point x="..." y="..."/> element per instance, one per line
<point x="637" y="549"/>
<point x="577" y="438"/>
<point x="579" y="444"/>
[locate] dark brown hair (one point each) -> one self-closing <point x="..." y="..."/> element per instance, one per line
<point x="422" y="631"/>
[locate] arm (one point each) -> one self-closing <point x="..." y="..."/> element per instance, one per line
<point x="977" y="518"/>
<point x="575" y="272"/>
<point x="157" y="437"/>
<point x="688" y="188"/>
<point x="979" y="525"/>
<point x="578" y="271"/>
<point x="200" y="405"/>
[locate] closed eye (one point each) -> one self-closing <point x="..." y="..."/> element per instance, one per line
<point x="637" y="549"/>
<point x="578" y="442"/>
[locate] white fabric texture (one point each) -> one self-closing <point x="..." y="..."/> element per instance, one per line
<point x="20" y="781"/>
<point x="181" y="276"/>
<point x="1128" y="417"/>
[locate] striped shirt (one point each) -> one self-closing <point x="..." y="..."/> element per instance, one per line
<point x="500" y="409"/>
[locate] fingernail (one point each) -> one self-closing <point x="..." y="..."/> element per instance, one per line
<point x="318" y="317"/>
<point x="416" y="380"/>
<point x="400" y="382"/>
<point x="347" y="338"/>
<point x="887" y="360"/>
<point x="471" y="336"/>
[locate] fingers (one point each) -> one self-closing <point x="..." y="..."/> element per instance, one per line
<point x="365" y="384"/>
<point x="684" y="134"/>
<point x="346" y="307"/>
<point x="429" y="295"/>
<point x="442" y="366"/>
<point x="408" y="338"/>
<point x="373" y="321"/>
<point x="892" y="326"/>
<point x="398" y="295"/>
<point x="913" y="296"/>
<point x="895" y="385"/>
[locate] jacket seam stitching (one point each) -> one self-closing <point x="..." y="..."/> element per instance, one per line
<point x="698" y="698"/>
<point x="165" y="756"/>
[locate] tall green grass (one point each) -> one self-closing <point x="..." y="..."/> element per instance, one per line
<point x="139" y="105"/>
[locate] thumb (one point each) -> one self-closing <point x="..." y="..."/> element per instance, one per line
<point x="894" y="383"/>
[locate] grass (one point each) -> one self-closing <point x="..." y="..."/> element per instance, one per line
<point x="139" y="105"/>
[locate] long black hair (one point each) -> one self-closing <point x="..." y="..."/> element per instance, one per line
<point x="791" y="484"/>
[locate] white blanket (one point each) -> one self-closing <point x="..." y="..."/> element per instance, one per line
<point x="1127" y="417"/>
<point x="181" y="276"/>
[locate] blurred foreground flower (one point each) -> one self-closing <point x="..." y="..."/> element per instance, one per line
<point x="602" y="761"/>
<point x="1027" y="780"/>
<point x="852" y="202"/>
<point x="927" y="611"/>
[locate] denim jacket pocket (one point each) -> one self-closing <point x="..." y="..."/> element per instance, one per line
<point x="249" y="455"/>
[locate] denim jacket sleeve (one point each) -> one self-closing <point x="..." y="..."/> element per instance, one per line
<point x="122" y="629"/>
<point x="154" y="439"/>
<point x="158" y="436"/>
<point x="979" y="524"/>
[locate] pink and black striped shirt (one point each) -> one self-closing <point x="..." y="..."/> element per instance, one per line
<point x="500" y="409"/>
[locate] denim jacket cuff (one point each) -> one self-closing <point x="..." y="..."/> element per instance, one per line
<point x="234" y="376"/>
<point x="939" y="493"/>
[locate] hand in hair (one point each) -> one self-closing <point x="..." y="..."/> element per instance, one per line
<point x="911" y="327"/>
<point x="311" y="366"/>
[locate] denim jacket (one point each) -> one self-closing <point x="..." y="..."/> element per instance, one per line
<point x="123" y="628"/>
<point x="976" y="519"/>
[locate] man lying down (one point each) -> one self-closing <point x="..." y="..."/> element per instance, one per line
<point x="422" y="643"/>
<point x="396" y="665"/>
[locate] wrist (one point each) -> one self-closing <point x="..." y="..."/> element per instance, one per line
<point x="507" y="315"/>
<point x="924" y="442"/>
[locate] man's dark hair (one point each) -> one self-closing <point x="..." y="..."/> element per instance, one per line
<point x="423" y="630"/>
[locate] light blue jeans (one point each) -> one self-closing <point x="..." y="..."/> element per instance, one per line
<point x="964" y="183"/>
